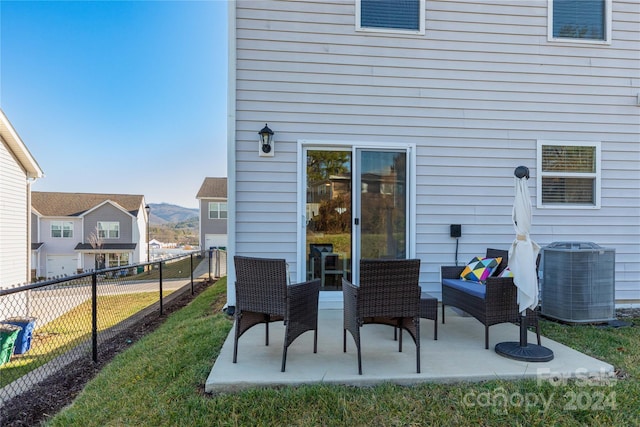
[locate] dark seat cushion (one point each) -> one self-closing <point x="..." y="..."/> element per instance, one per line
<point x="473" y="288"/>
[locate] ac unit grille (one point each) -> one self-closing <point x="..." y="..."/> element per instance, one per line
<point x="578" y="282"/>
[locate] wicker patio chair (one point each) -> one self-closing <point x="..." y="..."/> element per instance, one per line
<point x="388" y="294"/>
<point x="263" y="296"/>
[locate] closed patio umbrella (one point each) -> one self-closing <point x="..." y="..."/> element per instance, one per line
<point x="524" y="251"/>
<point x="522" y="263"/>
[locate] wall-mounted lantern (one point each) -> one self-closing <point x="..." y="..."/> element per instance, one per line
<point x="265" y="144"/>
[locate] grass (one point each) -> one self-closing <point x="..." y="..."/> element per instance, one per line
<point x="72" y="328"/>
<point x="179" y="269"/>
<point x="159" y="382"/>
<point x="374" y="244"/>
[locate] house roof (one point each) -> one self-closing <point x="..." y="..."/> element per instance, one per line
<point x="76" y="204"/>
<point x="18" y="148"/>
<point x="213" y="187"/>
<point x="105" y="247"/>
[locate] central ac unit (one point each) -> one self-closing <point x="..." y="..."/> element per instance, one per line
<point x="578" y="282"/>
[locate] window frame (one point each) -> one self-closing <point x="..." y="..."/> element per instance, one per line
<point x="607" y="30"/>
<point x="218" y="210"/>
<point x="101" y="228"/>
<point x="419" y="31"/>
<point x="116" y="259"/>
<point x="595" y="175"/>
<point x="62" y="224"/>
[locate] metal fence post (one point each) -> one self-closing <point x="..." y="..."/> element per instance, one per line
<point x="94" y="316"/>
<point x="191" y="260"/>
<point x="218" y="263"/>
<point x="160" y="268"/>
<point x="210" y="258"/>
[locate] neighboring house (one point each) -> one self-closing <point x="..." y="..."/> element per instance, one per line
<point x="18" y="169"/>
<point x="213" y="213"/>
<point x="428" y="107"/>
<point x="75" y="232"/>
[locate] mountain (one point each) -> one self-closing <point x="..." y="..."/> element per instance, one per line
<point x="163" y="213"/>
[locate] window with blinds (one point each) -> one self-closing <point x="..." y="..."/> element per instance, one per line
<point x="390" y="15"/>
<point x="61" y="229"/>
<point x="109" y="229"/>
<point x="217" y="210"/>
<point x="569" y="173"/>
<point x="579" y="19"/>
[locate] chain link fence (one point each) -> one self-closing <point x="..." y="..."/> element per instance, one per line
<point x="46" y="326"/>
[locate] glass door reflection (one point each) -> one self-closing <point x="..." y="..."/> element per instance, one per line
<point x="382" y="204"/>
<point x="328" y="213"/>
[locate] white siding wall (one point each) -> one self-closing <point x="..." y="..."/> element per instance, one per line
<point x="474" y="94"/>
<point x="59" y="245"/>
<point x="14" y="244"/>
<point x="139" y="236"/>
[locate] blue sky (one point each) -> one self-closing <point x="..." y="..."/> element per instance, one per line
<point x="118" y="96"/>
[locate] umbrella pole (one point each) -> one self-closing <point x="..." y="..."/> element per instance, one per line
<point x="523" y="330"/>
<point x="523" y="350"/>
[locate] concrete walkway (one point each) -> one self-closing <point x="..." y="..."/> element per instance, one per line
<point x="457" y="355"/>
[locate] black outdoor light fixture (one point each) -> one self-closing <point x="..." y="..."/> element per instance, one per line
<point x="265" y="145"/>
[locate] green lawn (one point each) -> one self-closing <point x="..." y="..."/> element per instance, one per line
<point x="180" y="269"/>
<point x="159" y="382"/>
<point x="74" y="327"/>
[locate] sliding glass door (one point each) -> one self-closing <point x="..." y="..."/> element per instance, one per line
<point x="381" y="204"/>
<point x="356" y="207"/>
<point x="328" y="213"/>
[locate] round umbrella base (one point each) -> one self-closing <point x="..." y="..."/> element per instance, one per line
<point x="526" y="353"/>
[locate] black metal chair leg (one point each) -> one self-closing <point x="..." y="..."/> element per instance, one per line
<point x="486" y="337"/>
<point x="266" y="326"/>
<point x="284" y="358"/>
<point x="315" y="340"/>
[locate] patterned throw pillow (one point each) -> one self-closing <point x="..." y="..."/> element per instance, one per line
<point x="480" y="268"/>
<point x="506" y="273"/>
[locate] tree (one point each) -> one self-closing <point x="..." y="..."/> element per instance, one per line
<point x="323" y="164"/>
<point x="96" y="241"/>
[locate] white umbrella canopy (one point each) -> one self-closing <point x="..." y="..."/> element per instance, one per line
<point x="524" y="251"/>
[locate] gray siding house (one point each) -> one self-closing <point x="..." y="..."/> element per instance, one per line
<point x="420" y="111"/>
<point x="212" y="197"/>
<point x="18" y="169"/>
<point x="75" y="232"/>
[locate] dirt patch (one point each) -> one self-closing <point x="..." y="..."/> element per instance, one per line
<point x="59" y="390"/>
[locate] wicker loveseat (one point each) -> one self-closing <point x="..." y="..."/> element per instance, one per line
<point x="492" y="303"/>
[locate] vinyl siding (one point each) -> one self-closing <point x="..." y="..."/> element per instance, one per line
<point x="216" y="226"/>
<point x="139" y="236"/>
<point x="14" y="244"/>
<point x="212" y="225"/>
<point x="59" y="245"/>
<point x="109" y="213"/>
<point x="474" y="94"/>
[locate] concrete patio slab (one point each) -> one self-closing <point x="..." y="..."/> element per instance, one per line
<point x="457" y="355"/>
